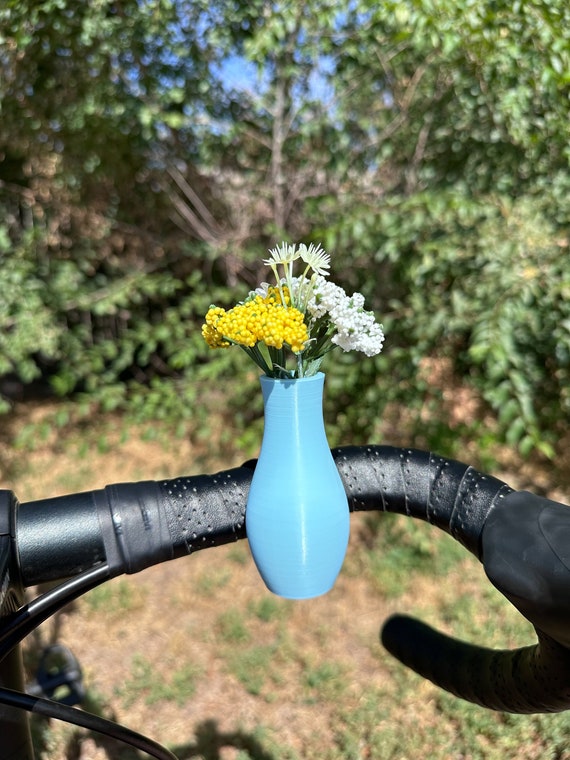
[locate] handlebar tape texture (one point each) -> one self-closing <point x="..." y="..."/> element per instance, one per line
<point x="209" y="510"/>
<point x="206" y="510"/>
<point x="134" y="525"/>
<point x="145" y="523"/>
<point x="443" y="492"/>
<point x="534" y="679"/>
<point x="130" y="526"/>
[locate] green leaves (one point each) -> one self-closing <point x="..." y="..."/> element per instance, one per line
<point x="28" y="328"/>
<point x="480" y="286"/>
<point x="424" y="143"/>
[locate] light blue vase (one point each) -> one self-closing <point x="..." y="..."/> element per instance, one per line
<point x="297" y="517"/>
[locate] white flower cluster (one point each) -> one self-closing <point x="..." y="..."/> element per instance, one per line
<point x="356" y="329"/>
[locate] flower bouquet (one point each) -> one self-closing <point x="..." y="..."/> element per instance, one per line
<point x="297" y="517"/>
<point x="303" y="317"/>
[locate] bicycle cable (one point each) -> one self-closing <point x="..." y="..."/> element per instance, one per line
<point x="50" y="709"/>
<point x="23" y="622"/>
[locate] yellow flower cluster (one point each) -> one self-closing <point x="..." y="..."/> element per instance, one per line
<point x="209" y="332"/>
<point x="261" y="319"/>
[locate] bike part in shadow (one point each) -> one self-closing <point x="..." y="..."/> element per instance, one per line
<point x="526" y="555"/>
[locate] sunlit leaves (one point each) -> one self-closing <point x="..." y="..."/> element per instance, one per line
<point x="424" y="142"/>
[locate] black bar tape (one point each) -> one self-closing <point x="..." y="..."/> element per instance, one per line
<point x="477" y="496"/>
<point x="133" y="525"/>
<point x="415" y="474"/>
<point x="448" y="494"/>
<point x="443" y="494"/>
<point x="206" y="510"/>
<point x="384" y="478"/>
<point x="533" y="679"/>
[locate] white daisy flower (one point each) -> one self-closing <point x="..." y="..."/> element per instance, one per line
<point x="285" y="253"/>
<point x="315" y="258"/>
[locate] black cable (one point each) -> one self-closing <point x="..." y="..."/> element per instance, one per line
<point x="21" y="623"/>
<point x="24" y="621"/>
<point x="49" y="709"/>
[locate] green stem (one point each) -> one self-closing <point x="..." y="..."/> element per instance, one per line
<point x="255" y="354"/>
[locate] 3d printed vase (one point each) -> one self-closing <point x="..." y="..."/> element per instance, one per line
<point x="297" y="516"/>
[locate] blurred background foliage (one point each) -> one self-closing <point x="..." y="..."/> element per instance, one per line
<point x="152" y="150"/>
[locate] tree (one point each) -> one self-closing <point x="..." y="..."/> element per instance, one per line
<point x="464" y="123"/>
<point x="424" y="142"/>
<point x="91" y="95"/>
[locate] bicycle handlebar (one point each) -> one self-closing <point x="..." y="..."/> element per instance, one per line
<point x="130" y="525"/>
<point x="519" y="538"/>
<point x="134" y="525"/>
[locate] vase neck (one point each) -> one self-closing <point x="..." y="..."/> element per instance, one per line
<point x="293" y="402"/>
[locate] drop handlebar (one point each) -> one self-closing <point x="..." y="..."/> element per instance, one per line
<point x="522" y="540"/>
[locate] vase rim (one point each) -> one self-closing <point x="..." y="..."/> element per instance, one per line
<point x="287" y="380"/>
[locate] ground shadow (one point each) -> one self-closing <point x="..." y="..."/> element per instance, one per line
<point x="208" y="742"/>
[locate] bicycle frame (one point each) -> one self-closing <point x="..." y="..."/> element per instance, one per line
<point x="14" y="723"/>
<point x="22" y="622"/>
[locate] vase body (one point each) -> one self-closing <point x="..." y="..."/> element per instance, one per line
<point x="297" y="516"/>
